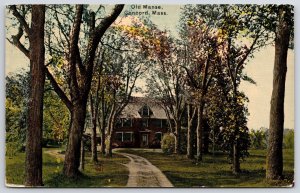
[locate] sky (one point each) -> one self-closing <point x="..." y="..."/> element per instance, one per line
<point x="260" y="68"/>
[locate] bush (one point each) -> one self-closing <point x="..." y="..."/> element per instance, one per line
<point x="12" y="148"/>
<point x="288" y="139"/>
<point x="168" y="143"/>
<point x="258" y="139"/>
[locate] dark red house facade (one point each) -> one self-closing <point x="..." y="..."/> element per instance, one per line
<point x="142" y="123"/>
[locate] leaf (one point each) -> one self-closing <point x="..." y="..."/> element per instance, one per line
<point x="248" y="79"/>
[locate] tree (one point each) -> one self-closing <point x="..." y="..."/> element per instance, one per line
<point x="190" y="131"/>
<point x="79" y="73"/>
<point x="94" y="109"/>
<point x="258" y="139"/>
<point x="167" y="81"/>
<point x="55" y="114"/>
<point x="203" y="55"/>
<point x="124" y="61"/>
<point x="55" y="118"/>
<point x="274" y="170"/>
<point x="233" y="26"/>
<point x="36" y="54"/>
<point x="17" y="93"/>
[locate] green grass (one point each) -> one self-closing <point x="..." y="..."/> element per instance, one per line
<point x="113" y="175"/>
<point x="215" y="171"/>
<point x="212" y="172"/>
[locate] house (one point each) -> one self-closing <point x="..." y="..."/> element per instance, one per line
<point x="142" y="123"/>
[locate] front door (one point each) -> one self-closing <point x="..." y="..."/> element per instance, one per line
<point x="144" y="141"/>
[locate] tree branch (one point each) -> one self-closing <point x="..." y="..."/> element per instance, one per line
<point x="73" y="55"/>
<point x="81" y="67"/>
<point x="191" y="80"/>
<point x="240" y="63"/>
<point x="228" y="63"/>
<point x="96" y="36"/>
<point x="61" y="28"/>
<point x="16" y="41"/>
<point x="58" y="90"/>
<point x="20" y="18"/>
<point x="118" y="49"/>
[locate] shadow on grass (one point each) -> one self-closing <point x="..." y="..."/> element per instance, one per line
<point x="220" y="178"/>
<point x="84" y="181"/>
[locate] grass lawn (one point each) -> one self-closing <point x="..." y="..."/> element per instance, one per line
<point x="113" y="175"/>
<point x="215" y="171"/>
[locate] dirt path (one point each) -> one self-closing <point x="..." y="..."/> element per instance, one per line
<point x="143" y="174"/>
<point x="55" y="153"/>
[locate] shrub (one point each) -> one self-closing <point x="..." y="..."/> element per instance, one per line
<point x="258" y="139"/>
<point x="168" y="143"/>
<point x="11" y="149"/>
<point x="288" y="139"/>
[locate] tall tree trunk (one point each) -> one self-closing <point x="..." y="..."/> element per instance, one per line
<point x="102" y="131"/>
<point x="33" y="162"/>
<point x="274" y="153"/>
<point x="94" y="142"/>
<point x="101" y="121"/>
<point x="177" y="137"/>
<point x="108" y="145"/>
<point x="94" y="112"/>
<point x="72" y="157"/>
<point x="82" y="154"/>
<point x="80" y="74"/>
<point x="199" y="132"/>
<point x="206" y="137"/>
<point x="189" y="148"/>
<point x="190" y="133"/>
<point x="236" y="169"/>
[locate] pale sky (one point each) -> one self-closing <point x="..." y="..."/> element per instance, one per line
<point x="260" y="68"/>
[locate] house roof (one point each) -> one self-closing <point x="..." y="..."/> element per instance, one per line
<point x="137" y="103"/>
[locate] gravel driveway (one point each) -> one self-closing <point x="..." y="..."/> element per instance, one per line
<point x="143" y="174"/>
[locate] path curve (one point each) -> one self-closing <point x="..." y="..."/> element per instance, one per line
<point x="143" y="174"/>
<point x="55" y="153"/>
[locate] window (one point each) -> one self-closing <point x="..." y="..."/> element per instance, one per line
<point x="145" y="122"/>
<point x="145" y="111"/>
<point x="127" y="136"/>
<point x="127" y="122"/>
<point x="156" y="122"/>
<point x="119" y="123"/>
<point x="158" y="136"/>
<point x="124" y="136"/>
<point x="119" y="136"/>
<point x="163" y="123"/>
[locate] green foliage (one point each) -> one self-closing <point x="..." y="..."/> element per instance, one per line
<point x="12" y="148"/>
<point x="56" y="118"/>
<point x="237" y="32"/>
<point x="168" y="143"/>
<point x="17" y="94"/>
<point x="288" y="139"/>
<point x="235" y="128"/>
<point x="258" y="139"/>
<point x="230" y="114"/>
<point x="55" y="114"/>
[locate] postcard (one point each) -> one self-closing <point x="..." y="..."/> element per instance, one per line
<point x="141" y="95"/>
